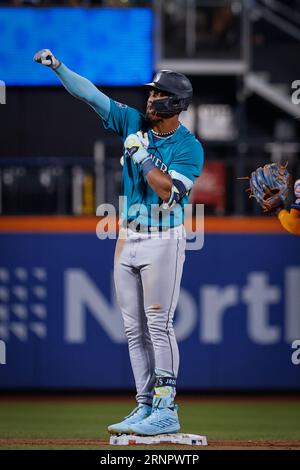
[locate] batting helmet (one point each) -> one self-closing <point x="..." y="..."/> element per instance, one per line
<point x="179" y="90"/>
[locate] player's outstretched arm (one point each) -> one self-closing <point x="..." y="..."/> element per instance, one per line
<point x="78" y="86"/>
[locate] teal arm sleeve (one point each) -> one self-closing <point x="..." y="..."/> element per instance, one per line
<point x="84" y="90"/>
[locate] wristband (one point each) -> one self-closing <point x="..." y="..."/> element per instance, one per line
<point x="147" y="165"/>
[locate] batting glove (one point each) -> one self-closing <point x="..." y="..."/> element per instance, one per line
<point x="45" y="57"/>
<point x="135" y="147"/>
<point x="143" y="138"/>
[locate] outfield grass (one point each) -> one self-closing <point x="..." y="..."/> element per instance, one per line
<point x="88" y="420"/>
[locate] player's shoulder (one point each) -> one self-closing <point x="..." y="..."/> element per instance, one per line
<point x="130" y="119"/>
<point x="122" y="107"/>
<point x="189" y="140"/>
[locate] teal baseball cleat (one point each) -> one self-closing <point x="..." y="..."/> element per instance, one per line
<point x="161" y="421"/>
<point x="141" y="412"/>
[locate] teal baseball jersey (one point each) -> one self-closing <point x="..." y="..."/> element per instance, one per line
<point x="180" y="155"/>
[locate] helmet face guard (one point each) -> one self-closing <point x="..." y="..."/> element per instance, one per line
<point x="178" y="88"/>
<point x="171" y="105"/>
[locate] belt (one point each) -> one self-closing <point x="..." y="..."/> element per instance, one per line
<point x="139" y="228"/>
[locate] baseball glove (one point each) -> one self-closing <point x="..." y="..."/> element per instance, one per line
<point x="269" y="185"/>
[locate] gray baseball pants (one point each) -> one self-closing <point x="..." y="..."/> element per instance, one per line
<point x="147" y="274"/>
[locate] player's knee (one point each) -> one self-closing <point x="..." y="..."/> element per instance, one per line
<point x="155" y="313"/>
<point x="153" y="308"/>
<point x="158" y="316"/>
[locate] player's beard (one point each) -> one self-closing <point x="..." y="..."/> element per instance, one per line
<point x="152" y="116"/>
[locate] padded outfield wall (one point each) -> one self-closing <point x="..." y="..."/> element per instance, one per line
<point x="238" y="313"/>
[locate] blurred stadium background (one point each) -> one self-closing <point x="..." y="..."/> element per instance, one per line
<point x="238" y="315"/>
<point x="239" y="308"/>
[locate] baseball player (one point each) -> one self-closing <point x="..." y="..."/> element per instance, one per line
<point x="160" y="163"/>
